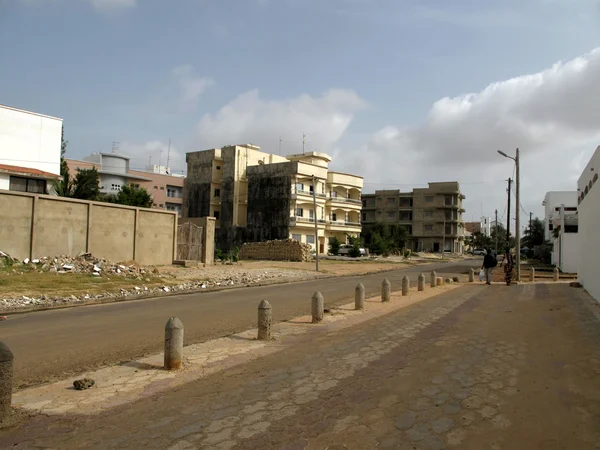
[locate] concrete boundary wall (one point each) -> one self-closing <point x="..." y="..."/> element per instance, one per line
<point x="32" y="226"/>
<point x="281" y="250"/>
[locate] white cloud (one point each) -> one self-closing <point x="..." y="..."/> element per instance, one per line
<point x="252" y="119"/>
<point x="191" y="86"/>
<point x="552" y="116"/>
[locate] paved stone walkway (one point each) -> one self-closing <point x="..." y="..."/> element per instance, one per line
<point x="474" y="368"/>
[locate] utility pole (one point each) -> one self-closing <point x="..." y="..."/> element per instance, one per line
<point x="496" y="231"/>
<point x="303" y="142"/>
<point x="508" y="218"/>
<point x="444" y="239"/>
<point x="314" y="182"/>
<point x="530" y="224"/>
<point x="518" y="231"/>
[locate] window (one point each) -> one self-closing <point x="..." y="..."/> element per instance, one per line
<point x="448" y="229"/>
<point x="155" y="187"/>
<point x="364" y="217"/>
<point x="333" y="216"/>
<point x="391" y="215"/>
<point x="115" y="187"/>
<point x="364" y="203"/>
<point x="405" y="215"/>
<point x="311" y="214"/>
<point x="391" y="201"/>
<point x="218" y="167"/>
<point x="216" y="214"/>
<point x="217" y="192"/>
<point x="299" y="187"/>
<point x="550" y="227"/>
<point x="310" y="238"/>
<point x="310" y="188"/>
<point x="334" y="194"/>
<point x="154" y="205"/>
<point x="429" y="199"/>
<point x="297" y="237"/>
<point x="299" y="212"/>
<point x="429" y="228"/>
<point x="32" y="185"/>
<point x="173" y="207"/>
<point x="406" y="202"/>
<point x="161" y="205"/>
<point x="162" y="188"/>
<point x="428" y="214"/>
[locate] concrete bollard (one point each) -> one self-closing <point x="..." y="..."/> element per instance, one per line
<point x="405" y="286"/>
<point x="359" y="297"/>
<point x="556" y="274"/>
<point x="386" y="290"/>
<point x="448" y="281"/>
<point x="433" y="279"/>
<point x="173" y="344"/>
<point x="532" y="275"/>
<point x="439" y="281"/>
<point x="317" y="307"/>
<point x="471" y="275"/>
<point x="265" y="317"/>
<point x="421" y="283"/>
<point x="6" y="380"/>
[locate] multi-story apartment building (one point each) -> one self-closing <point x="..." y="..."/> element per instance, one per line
<point x="256" y="196"/>
<point x="432" y="215"/>
<point x="115" y="172"/>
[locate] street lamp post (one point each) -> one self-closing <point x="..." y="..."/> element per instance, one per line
<point x="517" y="215"/>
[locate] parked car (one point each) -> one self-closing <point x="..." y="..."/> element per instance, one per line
<point x="346" y="248"/>
<point x="478" y="252"/>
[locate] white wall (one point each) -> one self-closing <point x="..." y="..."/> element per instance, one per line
<point x="570" y="252"/>
<point x="589" y="231"/>
<point x="553" y="200"/>
<point x="4" y="181"/>
<point x="30" y="140"/>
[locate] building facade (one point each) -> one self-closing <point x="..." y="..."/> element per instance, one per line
<point x="432" y="215"/>
<point x="115" y="172"/>
<point x="588" y="191"/>
<point x="561" y="226"/>
<point x="256" y="196"/>
<point x="30" y="146"/>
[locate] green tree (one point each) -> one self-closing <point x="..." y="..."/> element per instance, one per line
<point x="65" y="186"/>
<point x="534" y="235"/>
<point x="86" y="185"/>
<point x="334" y="246"/>
<point x="132" y="196"/>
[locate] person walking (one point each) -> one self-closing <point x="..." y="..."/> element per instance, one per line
<point x="489" y="262"/>
<point x="509" y="265"/>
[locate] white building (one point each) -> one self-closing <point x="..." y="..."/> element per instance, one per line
<point x="561" y="228"/>
<point x="29" y="150"/>
<point x="114" y="171"/>
<point x="589" y="232"/>
<point x="486" y="226"/>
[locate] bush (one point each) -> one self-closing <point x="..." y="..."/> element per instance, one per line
<point x="355" y="250"/>
<point x="407" y="253"/>
<point x="334" y="246"/>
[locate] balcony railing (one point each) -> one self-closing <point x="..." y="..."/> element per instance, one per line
<point x="323" y="221"/>
<point x="346" y="200"/>
<point x="304" y="192"/>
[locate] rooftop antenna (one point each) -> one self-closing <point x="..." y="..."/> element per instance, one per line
<point x="159" y="159"/>
<point x="168" y="156"/>
<point x="115" y="146"/>
<point x="280" y="145"/>
<point x="303" y="141"/>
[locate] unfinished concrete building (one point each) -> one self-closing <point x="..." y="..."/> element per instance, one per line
<point x="432" y="215"/>
<point x="256" y="196"/>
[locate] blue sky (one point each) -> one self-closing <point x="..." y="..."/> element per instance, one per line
<point x="362" y="78"/>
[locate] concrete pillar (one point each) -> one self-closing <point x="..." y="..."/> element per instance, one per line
<point x="386" y="290"/>
<point x="405" y="286"/>
<point x="6" y="380"/>
<point x="317" y="307"/>
<point x="264" y="321"/>
<point x="556" y="274"/>
<point x="421" y="283"/>
<point x="471" y="275"/>
<point x="532" y="275"/>
<point x="359" y="297"/>
<point x="173" y="344"/>
<point x="439" y="281"/>
<point x="433" y="279"/>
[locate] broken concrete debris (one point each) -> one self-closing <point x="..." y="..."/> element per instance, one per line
<point x="83" y="384"/>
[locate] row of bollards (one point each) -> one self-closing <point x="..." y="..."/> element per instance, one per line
<point x="556" y="275"/>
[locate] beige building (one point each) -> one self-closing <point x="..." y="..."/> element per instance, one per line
<point x="257" y="196"/>
<point x="432" y="215"/>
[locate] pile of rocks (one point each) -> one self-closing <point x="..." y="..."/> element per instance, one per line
<point x="83" y="263"/>
<point x="279" y="250"/>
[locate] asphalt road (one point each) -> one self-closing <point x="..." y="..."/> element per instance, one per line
<point x="50" y="345"/>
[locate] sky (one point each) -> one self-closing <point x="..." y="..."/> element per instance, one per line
<point x="402" y="92"/>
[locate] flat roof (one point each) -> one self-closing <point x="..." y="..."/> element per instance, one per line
<point x="29" y="112"/>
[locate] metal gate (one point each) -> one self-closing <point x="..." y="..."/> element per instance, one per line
<point x="189" y="242"/>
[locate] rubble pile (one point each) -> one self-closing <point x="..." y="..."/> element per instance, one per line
<point x="83" y="263"/>
<point x="278" y="250"/>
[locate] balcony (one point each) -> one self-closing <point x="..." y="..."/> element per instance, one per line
<point x="347" y="200"/>
<point x="335" y="223"/>
<point x="309" y="193"/>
